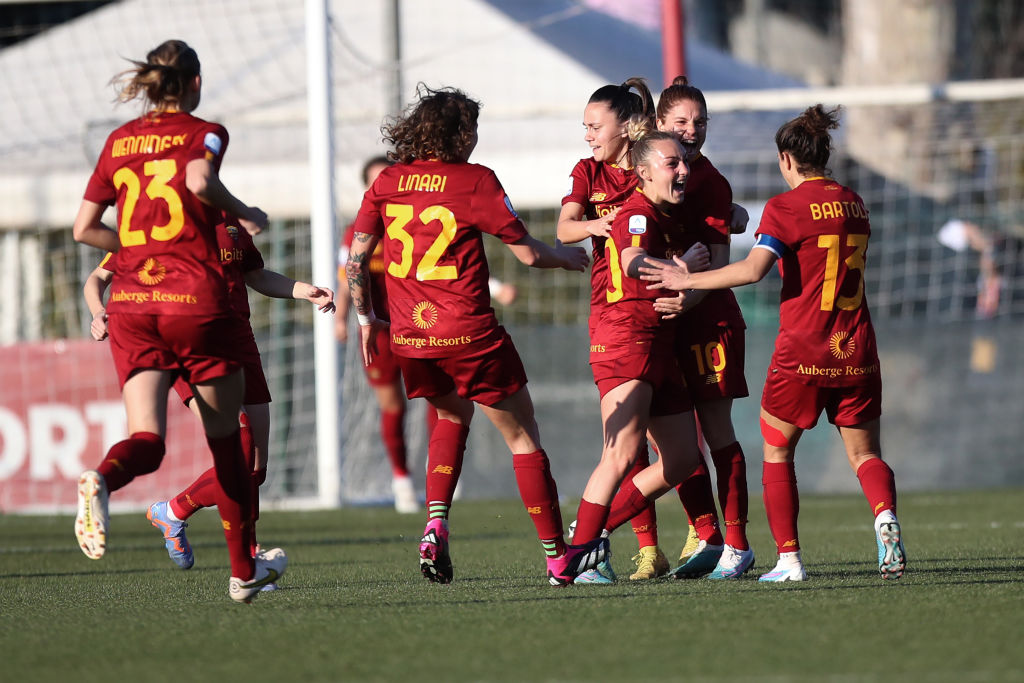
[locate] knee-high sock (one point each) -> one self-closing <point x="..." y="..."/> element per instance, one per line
<point x="444" y="465"/>
<point x="699" y="502"/>
<point x="591" y="519"/>
<point x="627" y="503"/>
<point x="392" y="431"/>
<point x="782" y="504"/>
<point x="731" y="470"/>
<point x="235" y="501"/>
<point x="879" y="485"/>
<point x="141" y="453"/>
<point x="540" y="496"/>
<point x="645" y="521"/>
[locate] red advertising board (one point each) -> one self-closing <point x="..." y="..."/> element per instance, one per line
<point x="60" y="410"/>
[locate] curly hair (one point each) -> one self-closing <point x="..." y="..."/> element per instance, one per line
<point x="441" y="124"/>
<point x="163" y="79"/>
<point x="808" y="140"/>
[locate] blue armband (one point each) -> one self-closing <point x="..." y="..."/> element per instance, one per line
<point x="772" y="244"/>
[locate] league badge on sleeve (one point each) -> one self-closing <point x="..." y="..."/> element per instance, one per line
<point x="212" y="143"/>
<point x="571" y="186"/>
<point x="637" y="225"/>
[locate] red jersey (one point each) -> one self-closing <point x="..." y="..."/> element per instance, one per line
<point x="238" y="256"/>
<point x="599" y="188"/>
<point x="627" y="316"/>
<point x="820" y="232"/>
<point x="431" y="216"/>
<point x="168" y="263"/>
<point x="377" y="288"/>
<point x="706" y="211"/>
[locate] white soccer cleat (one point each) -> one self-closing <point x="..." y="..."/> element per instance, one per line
<point x="789" y="568"/>
<point x="93" y="519"/>
<point x="405" y="495"/>
<point x="733" y="563"/>
<point x="270" y="566"/>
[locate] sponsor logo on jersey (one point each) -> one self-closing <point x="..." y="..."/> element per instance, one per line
<point x="637" y="225"/>
<point x="152" y="272"/>
<point x="841" y="345"/>
<point x="508" y="205"/>
<point x="424" y="315"/>
<point x="598" y="196"/>
<point x="213" y="143"/>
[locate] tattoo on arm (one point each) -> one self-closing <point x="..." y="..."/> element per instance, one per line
<point x="355" y="273"/>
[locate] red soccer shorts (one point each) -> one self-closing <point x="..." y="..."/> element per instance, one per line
<point x="247" y="354"/>
<point x="660" y="370"/>
<point x="197" y="346"/>
<point x="384" y="370"/>
<point x="711" y="358"/>
<point x="801" y="404"/>
<point x="484" y="375"/>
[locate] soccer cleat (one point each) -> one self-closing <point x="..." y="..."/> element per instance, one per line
<point x="435" y="562"/>
<point x="789" y="568"/>
<point x="93" y="519"/>
<point x="576" y="560"/>
<point x="733" y="563"/>
<point x="691" y="544"/>
<point x="602" y="574"/>
<point x="650" y="563"/>
<point x="701" y="562"/>
<point x="270" y="566"/>
<point x="405" y="495"/>
<point x="892" y="558"/>
<point x="178" y="547"/>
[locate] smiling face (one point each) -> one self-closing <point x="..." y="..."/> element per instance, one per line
<point x="664" y="172"/>
<point x="689" y="121"/>
<point x="604" y="133"/>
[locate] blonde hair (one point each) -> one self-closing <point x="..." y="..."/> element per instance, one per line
<point x="163" y="79"/>
<point x="643" y="136"/>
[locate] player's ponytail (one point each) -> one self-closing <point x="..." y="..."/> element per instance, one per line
<point x="163" y="79"/>
<point x="807" y="139"/>
<point x="630" y="97"/>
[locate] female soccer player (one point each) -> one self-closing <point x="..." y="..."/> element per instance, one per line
<point x="632" y="357"/>
<point x="709" y="348"/>
<point x="598" y="186"/>
<point x="825" y="354"/>
<point x="243" y="265"/>
<point x="168" y="312"/>
<point x="432" y="208"/>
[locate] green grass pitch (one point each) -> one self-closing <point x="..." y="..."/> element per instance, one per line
<point x="353" y="605"/>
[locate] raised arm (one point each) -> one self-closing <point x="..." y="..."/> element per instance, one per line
<point x="202" y="180"/>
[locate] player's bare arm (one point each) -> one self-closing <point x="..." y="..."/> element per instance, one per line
<point x="88" y="229"/>
<point x="357" y="272"/>
<point x="738" y="219"/>
<point x="273" y="284"/>
<point x="536" y="254"/>
<point x="202" y="180"/>
<point x="572" y="227"/>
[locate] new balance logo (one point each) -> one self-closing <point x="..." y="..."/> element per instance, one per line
<point x="443" y="469"/>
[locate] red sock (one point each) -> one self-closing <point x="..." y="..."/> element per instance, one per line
<point x="201" y="493"/>
<point x="141" y="453"/>
<point x="234" y="502"/>
<point x="731" y="470"/>
<point x="392" y="431"/>
<point x="540" y="496"/>
<point x="699" y="502"/>
<point x="782" y="504"/>
<point x="591" y="519"/>
<point x="645" y="523"/>
<point x="879" y="485"/>
<point x="444" y="464"/>
<point x="627" y="503"/>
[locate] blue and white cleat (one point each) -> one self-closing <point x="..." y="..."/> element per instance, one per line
<point x="701" y="563"/>
<point x="733" y="563"/>
<point x="603" y="574"/>
<point x="789" y="568"/>
<point x="892" y="558"/>
<point x="178" y="547"/>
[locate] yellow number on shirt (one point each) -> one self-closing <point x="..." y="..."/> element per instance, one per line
<point x="427" y="268"/>
<point x="854" y="262"/>
<point x="160" y="171"/>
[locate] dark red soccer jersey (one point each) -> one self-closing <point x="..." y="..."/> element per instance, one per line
<point x="627" y="316"/>
<point x="168" y="263"/>
<point x="706" y="212"/>
<point x="820" y="231"/>
<point x="599" y="188"/>
<point x="378" y="290"/>
<point x="238" y="256"/>
<point x="431" y="216"/>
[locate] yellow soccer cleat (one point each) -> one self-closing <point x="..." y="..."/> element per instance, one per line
<point x="692" y="542"/>
<point x="650" y="563"/>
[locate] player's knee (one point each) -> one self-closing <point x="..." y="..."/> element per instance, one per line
<point x="773" y="436"/>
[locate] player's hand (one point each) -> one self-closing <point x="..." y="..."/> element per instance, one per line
<point x="573" y="258"/>
<point x="602" y="227"/>
<point x="697" y="258"/>
<point x="670" y="306"/>
<point x="662" y="275"/>
<point x="370" y="335"/>
<point x="98" y="326"/>
<point x="341" y="328"/>
<point x="738" y="220"/>
<point x="255" y="222"/>
<point x="505" y="294"/>
<point x="322" y="297"/>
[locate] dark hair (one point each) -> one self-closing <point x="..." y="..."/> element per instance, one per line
<point x="370" y="163"/>
<point x="163" y="78"/>
<point x="807" y="138"/>
<point x="441" y="124"/>
<point x="623" y="102"/>
<point x="679" y="90"/>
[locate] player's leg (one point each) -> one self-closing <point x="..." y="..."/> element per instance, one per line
<point x="391" y="399"/>
<point x="781" y="497"/>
